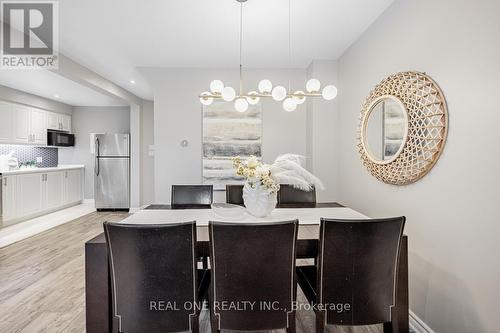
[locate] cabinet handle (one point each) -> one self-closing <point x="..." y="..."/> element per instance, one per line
<point x="5" y="181"/>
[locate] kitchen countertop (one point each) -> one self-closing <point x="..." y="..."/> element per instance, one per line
<point x="40" y="170"/>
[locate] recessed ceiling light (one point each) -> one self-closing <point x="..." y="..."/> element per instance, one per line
<point x="56" y="96"/>
<point x="132" y="81"/>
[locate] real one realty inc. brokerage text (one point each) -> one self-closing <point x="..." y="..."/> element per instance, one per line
<point x="220" y="306"/>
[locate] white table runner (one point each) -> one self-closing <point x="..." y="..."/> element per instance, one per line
<point x="306" y="216"/>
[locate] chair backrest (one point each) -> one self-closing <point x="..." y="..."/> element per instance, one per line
<point x="357" y="269"/>
<point x="289" y="196"/>
<point x="152" y="267"/>
<point x="192" y="196"/>
<point x="234" y="194"/>
<point x="253" y="262"/>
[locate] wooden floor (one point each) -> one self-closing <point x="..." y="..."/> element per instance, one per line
<point x="42" y="282"/>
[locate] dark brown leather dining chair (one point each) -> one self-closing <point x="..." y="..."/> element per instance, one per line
<point x="191" y="196"/>
<point x="354" y="280"/>
<point x="253" y="262"/>
<point x="289" y="196"/>
<point x="234" y="194"/>
<point x="155" y="284"/>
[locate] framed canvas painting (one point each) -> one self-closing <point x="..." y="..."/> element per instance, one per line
<point x="226" y="134"/>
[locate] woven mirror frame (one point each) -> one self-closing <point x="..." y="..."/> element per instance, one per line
<point x="427" y="116"/>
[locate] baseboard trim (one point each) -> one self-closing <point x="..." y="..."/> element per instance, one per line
<point x="418" y="325"/>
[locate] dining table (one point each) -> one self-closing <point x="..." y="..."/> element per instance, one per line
<point x="97" y="274"/>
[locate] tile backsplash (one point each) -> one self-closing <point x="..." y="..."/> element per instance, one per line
<point x="30" y="153"/>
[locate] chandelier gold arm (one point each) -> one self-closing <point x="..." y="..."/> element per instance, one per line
<point x="207" y="96"/>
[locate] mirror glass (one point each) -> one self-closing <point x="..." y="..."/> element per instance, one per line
<point x="385" y="131"/>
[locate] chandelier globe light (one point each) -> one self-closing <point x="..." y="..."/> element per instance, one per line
<point x="289" y="104"/>
<point x="265" y="88"/>
<point x="228" y="94"/>
<point x="216" y="86"/>
<point x="279" y="93"/>
<point x="241" y="104"/>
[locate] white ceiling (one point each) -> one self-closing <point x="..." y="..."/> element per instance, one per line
<point x="115" y="37"/>
<point x="48" y="84"/>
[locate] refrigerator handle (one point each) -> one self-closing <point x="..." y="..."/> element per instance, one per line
<point x="96" y="167"/>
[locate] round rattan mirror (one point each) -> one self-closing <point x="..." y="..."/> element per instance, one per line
<point x="403" y="128"/>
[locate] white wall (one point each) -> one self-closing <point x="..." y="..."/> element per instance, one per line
<point x="321" y="138"/>
<point x="177" y="116"/>
<point x="88" y="120"/>
<point x="453" y="223"/>
<point x="147" y="161"/>
<point x="135" y="156"/>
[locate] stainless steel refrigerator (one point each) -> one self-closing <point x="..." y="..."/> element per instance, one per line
<point x="112" y="172"/>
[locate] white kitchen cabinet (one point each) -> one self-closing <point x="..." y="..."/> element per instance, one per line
<point x="30" y="194"/>
<point x="65" y="122"/>
<point x="38" y="127"/>
<point x="53" y="121"/>
<point x="23" y="124"/>
<point x="53" y="190"/>
<point x="6" y="132"/>
<point x="73" y="186"/>
<point x="9" y="198"/>
<point x="21" y="115"/>
<point x="27" y="195"/>
<point x="58" y="121"/>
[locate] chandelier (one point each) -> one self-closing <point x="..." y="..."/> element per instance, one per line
<point x="279" y="93"/>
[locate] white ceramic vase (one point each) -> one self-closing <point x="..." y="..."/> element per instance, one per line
<point x="258" y="201"/>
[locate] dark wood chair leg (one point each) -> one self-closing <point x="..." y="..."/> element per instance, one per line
<point x="320" y="322"/>
<point x="388" y="327"/>
<point x="195" y="324"/>
<point x="400" y="315"/>
<point x="214" y="325"/>
<point x="291" y="323"/>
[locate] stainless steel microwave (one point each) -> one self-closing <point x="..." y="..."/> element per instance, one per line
<point x="60" y="139"/>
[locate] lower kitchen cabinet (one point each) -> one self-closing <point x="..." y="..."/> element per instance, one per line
<point x="72" y="186"/>
<point x="25" y="196"/>
<point x="9" y="197"/>
<point x="29" y="194"/>
<point x="53" y="192"/>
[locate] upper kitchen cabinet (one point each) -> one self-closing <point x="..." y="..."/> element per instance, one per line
<point x="65" y="122"/>
<point x="53" y="121"/>
<point x="38" y="127"/>
<point x="30" y="125"/>
<point x="6" y="131"/>
<point x="21" y="117"/>
<point x="24" y="124"/>
<point x="58" y="121"/>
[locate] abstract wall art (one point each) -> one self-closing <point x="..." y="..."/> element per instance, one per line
<point x="228" y="133"/>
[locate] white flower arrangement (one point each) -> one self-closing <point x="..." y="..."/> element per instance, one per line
<point x="255" y="172"/>
<point x="286" y="169"/>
